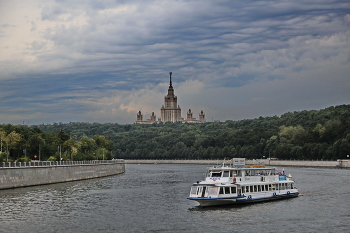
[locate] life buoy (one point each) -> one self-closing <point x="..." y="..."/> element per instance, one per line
<point x="288" y="193"/>
<point x="274" y="194"/>
<point x="234" y="179"/>
<point x="249" y="197"/>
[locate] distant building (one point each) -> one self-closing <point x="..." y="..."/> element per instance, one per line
<point x="147" y="121"/>
<point x="191" y="119"/>
<point x="171" y="111"/>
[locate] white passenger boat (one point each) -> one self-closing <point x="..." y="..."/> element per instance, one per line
<point x="240" y="183"/>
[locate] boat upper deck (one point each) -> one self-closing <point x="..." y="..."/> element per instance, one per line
<point x="241" y="173"/>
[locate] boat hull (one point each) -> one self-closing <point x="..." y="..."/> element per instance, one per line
<point x="203" y="202"/>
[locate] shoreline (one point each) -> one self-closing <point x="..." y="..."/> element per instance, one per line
<point x="288" y="163"/>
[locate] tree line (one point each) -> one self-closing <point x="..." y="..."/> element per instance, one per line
<point x="315" y="134"/>
<point x="22" y="143"/>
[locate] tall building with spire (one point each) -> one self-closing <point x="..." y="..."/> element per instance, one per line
<point x="170" y="111"/>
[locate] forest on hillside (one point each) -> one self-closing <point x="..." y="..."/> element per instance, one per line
<point x="315" y="134"/>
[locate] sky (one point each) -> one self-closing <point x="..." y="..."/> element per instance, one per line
<point x="105" y="60"/>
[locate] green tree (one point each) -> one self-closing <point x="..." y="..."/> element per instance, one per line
<point x="88" y="148"/>
<point x="72" y="147"/>
<point x="11" y="141"/>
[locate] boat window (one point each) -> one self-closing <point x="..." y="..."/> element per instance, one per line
<point x="203" y="192"/>
<point x="216" y="174"/>
<point x="243" y="189"/>
<point x="239" y="173"/>
<point x="233" y="173"/>
<point x="226" y="174"/>
<point x="266" y="188"/>
<point x="193" y="190"/>
<point x="262" y="187"/>
<point x="255" y="188"/>
<point x="227" y="190"/>
<point x="259" y="188"/>
<point x="221" y="190"/>
<point x="247" y="189"/>
<point x="213" y="191"/>
<point x="199" y="189"/>
<point x="233" y="190"/>
<point x="207" y="174"/>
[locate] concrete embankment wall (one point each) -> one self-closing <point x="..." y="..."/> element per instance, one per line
<point x="13" y="177"/>
<point x="299" y="163"/>
<point x="307" y="163"/>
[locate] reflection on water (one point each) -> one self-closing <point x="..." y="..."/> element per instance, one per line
<point x="152" y="198"/>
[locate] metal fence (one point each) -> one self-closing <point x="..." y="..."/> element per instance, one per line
<point x="57" y="163"/>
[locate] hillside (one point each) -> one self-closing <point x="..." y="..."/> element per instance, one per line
<point x="315" y="134"/>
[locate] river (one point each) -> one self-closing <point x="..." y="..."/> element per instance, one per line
<point x="152" y="198"/>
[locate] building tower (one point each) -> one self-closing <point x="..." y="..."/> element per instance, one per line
<point x="189" y="114"/>
<point x="202" y="116"/>
<point x="153" y="117"/>
<point x="170" y="111"/>
<point x="139" y="116"/>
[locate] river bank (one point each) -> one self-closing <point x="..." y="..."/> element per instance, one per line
<point x="292" y="163"/>
<point x="14" y="175"/>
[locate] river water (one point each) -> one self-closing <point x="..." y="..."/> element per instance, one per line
<point x="152" y="198"/>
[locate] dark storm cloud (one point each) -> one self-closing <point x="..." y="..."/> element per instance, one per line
<point x="120" y="48"/>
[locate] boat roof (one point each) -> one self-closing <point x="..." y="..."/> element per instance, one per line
<point x="240" y="164"/>
<point x="247" y="167"/>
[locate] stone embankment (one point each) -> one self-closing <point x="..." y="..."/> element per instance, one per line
<point x="14" y="175"/>
<point x="296" y="163"/>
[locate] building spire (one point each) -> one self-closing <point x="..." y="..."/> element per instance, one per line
<point x="171" y="85"/>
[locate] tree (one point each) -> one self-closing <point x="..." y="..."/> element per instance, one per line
<point x="11" y="141"/>
<point x="72" y="146"/>
<point x="88" y="148"/>
<point x="2" y="138"/>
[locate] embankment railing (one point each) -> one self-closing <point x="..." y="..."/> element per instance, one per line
<point x="57" y="163"/>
